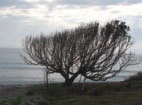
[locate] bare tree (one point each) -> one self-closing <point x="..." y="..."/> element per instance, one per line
<point x="92" y="51"/>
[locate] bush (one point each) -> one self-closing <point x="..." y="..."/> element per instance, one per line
<point x="137" y="77"/>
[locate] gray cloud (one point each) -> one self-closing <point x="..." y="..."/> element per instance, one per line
<point x="5" y="3"/>
<point x="52" y="5"/>
<point x="44" y="16"/>
<point x="16" y="3"/>
<point x="96" y="2"/>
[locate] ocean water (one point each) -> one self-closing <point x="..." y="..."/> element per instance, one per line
<point x="13" y="70"/>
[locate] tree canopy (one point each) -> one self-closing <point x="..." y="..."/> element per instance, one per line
<point x="93" y="51"/>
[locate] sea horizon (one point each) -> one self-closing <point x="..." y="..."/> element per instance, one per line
<point x="14" y="71"/>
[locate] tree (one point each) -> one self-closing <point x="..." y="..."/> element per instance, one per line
<point x="92" y="51"/>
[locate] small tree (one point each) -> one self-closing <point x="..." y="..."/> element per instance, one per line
<point x="92" y="51"/>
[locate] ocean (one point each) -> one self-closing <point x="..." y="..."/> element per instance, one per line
<point x="14" y="71"/>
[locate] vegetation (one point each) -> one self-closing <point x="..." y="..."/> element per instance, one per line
<point x="93" y="94"/>
<point x="92" y="51"/>
<point x="136" y="77"/>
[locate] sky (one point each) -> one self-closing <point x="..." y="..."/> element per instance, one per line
<point x="19" y="18"/>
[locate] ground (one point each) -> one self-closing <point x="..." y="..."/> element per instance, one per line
<point x="93" y="94"/>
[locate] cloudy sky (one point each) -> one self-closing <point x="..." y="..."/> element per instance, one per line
<point x="19" y="18"/>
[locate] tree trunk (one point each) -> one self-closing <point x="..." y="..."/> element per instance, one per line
<point x="68" y="82"/>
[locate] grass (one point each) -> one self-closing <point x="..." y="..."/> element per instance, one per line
<point x="16" y="101"/>
<point x="111" y="99"/>
<point x="93" y="94"/>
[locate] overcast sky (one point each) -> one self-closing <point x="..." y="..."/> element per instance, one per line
<point x="19" y="18"/>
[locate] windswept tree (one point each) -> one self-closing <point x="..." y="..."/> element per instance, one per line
<point x="92" y="51"/>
